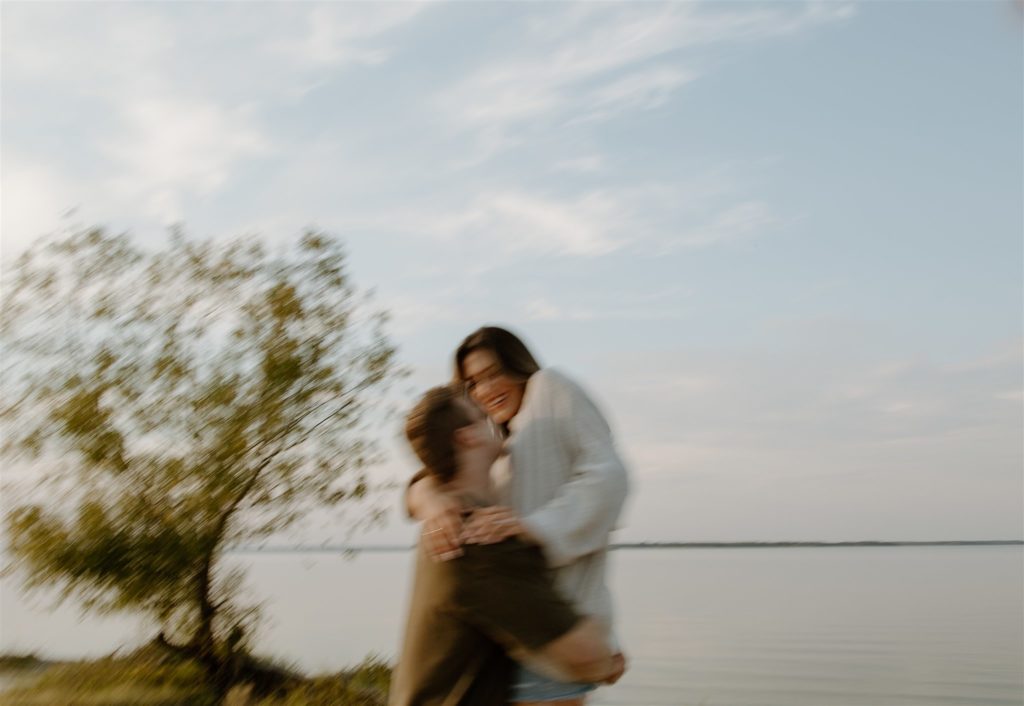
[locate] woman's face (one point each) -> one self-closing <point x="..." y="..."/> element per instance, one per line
<point x="495" y="391"/>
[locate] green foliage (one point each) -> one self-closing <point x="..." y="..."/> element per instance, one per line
<point x="366" y="685"/>
<point x="184" y="400"/>
<point x="114" y="682"/>
<point x="92" y="677"/>
<point x="150" y="678"/>
<point x="20" y="662"/>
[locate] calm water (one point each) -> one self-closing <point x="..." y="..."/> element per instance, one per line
<point x="715" y="627"/>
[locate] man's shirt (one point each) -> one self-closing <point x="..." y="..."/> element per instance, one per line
<point x="465" y="614"/>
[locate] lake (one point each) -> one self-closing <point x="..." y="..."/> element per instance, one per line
<point x="821" y="626"/>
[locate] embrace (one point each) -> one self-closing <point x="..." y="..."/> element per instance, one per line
<point x="520" y="486"/>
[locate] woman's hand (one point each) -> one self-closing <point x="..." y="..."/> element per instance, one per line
<point x="618" y="668"/>
<point x="490" y="525"/>
<point x="442" y="524"/>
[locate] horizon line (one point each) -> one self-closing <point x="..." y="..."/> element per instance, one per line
<point x="647" y="545"/>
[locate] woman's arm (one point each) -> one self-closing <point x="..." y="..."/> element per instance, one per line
<point x="577" y="521"/>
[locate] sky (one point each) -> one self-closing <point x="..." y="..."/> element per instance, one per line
<point x="780" y="243"/>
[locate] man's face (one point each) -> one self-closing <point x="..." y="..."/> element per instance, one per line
<point x="481" y="432"/>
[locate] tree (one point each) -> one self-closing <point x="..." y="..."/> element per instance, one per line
<point x="183" y="401"/>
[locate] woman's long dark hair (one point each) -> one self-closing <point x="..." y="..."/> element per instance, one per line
<point x="515" y="358"/>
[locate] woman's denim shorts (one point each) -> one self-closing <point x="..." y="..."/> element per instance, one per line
<point x="528" y="685"/>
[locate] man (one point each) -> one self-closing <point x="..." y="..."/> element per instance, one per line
<point x="467" y="613"/>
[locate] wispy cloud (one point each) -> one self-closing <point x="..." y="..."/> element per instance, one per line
<point x="86" y="50"/>
<point x="655" y="218"/>
<point x="35" y="197"/>
<point x="540" y="81"/>
<point x="643" y="90"/>
<point x="517" y="221"/>
<point x="340" y="34"/>
<point x="170" y="147"/>
<point x="173" y="101"/>
<point x="570" y="66"/>
<point x="183" y="131"/>
<point x="667" y="303"/>
<point x="821" y="396"/>
<point x="1011" y="395"/>
<point x="587" y="164"/>
<point x="735" y="222"/>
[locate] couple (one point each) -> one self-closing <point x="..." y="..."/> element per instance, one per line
<point x="520" y="487"/>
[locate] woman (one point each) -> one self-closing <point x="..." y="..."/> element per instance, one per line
<point x="562" y="483"/>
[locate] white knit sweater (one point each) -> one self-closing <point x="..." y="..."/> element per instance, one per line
<point x="565" y="479"/>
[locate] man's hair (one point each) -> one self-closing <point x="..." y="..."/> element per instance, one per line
<point x="515" y="358"/>
<point x="431" y="426"/>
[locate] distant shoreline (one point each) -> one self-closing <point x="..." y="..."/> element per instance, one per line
<point x="339" y="549"/>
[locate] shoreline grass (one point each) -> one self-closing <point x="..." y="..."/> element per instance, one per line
<point x="151" y="677"/>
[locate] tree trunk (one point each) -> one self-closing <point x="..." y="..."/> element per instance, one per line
<point x="219" y="667"/>
<point x="203" y="641"/>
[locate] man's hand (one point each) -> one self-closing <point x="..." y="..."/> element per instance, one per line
<point x="442" y="522"/>
<point x="490" y="525"/>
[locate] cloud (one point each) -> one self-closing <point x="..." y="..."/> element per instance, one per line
<point x="346" y="34"/>
<point x="178" y="132"/>
<point x="169" y="147"/>
<point x="587" y="164"/>
<point x="824" y="399"/>
<point x="742" y="220"/>
<point x="571" y="64"/>
<point x="411" y="314"/>
<point x="644" y="90"/>
<point x="86" y="49"/>
<point x="101" y="47"/>
<point x="170" y="101"/>
<point x="35" y="199"/>
<point x="711" y="209"/>
<point x="541" y="78"/>
<point x="894" y="447"/>
<point x="655" y="304"/>
<point x="518" y="221"/>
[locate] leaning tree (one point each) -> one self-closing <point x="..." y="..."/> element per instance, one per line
<point x="172" y="403"/>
